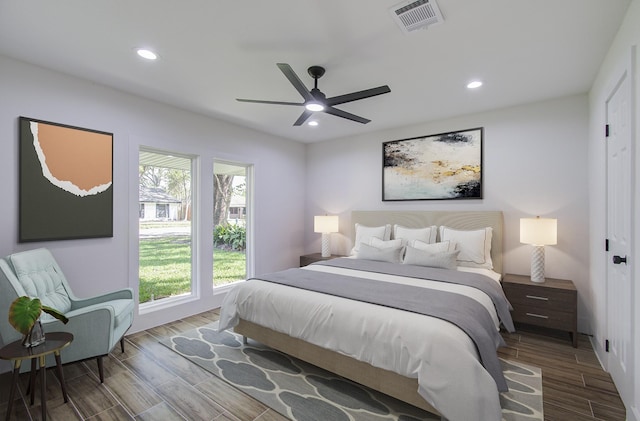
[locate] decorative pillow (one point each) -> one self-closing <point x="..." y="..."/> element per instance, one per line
<point x="474" y="246"/>
<point x="440" y="247"/>
<point x="389" y="254"/>
<point x="381" y="244"/>
<point x="444" y="260"/>
<point x="427" y="235"/>
<point x="364" y="234"/>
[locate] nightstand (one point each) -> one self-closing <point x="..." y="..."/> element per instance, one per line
<point x="307" y="259"/>
<point x="552" y="304"/>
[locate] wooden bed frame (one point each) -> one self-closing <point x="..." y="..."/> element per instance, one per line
<point x="388" y="382"/>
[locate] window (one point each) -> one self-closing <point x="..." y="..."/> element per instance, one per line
<point x="232" y="188"/>
<point x="166" y="243"/>
<point x="162" y="210"/>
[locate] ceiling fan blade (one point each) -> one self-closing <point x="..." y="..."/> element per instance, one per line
<point x="258" y="101"/>
<point x="295" y="81"/>
<point x="354" y="96"/>
<point x="344" y="114"/>
<point x="303" y="117"/>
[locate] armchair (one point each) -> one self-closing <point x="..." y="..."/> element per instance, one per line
<point x="97" y="323"/>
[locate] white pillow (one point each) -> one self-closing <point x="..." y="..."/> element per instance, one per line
<point x="364" y="234"/>
<point x="389" y="254"/>
<point x="474" y="246"/>
<point x="440" y="247"/>
<point x="444" y="260"/>
<point x="427" y="235"/>
<point x="381" y="244"/>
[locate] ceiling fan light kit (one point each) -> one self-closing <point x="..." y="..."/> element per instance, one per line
<point x="316" y="101"/>
<point x="314" y="106"/>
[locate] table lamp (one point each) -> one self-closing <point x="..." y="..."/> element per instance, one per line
<point x="538" y="232"/>
<point x="326" y="224"/>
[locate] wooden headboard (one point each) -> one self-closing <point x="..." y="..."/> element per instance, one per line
<point x="462" y="220"/>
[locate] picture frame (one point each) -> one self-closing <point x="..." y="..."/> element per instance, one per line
<point x="65" y="182"/>
<point x="443" y="166"/>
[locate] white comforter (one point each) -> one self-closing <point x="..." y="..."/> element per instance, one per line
<point x="440" y="355"/>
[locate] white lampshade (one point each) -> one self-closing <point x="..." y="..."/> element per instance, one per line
<point x="539" y="231"/>
<point x="325" y="223"/>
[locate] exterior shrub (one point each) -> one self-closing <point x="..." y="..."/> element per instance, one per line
<point x="233" y="237"/>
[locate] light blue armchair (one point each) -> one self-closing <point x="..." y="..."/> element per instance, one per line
<point x="97" y="323"/>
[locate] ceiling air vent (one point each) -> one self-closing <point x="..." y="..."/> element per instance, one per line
<point x="416" y="15"/>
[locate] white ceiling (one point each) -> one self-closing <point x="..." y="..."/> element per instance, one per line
<point x="213" y="51"/>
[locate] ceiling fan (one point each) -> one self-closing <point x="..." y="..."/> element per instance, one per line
<point x="315" y="100"/>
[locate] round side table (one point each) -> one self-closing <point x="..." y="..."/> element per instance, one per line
<point x="54" y="342"/>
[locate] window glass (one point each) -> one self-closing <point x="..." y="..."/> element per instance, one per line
<point x="165" y="226"/>
<point x="230" y="222"/>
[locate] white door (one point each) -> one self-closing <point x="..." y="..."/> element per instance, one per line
<point x="619" y="231"/>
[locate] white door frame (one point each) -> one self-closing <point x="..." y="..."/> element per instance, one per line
<point x="633" y="412"/>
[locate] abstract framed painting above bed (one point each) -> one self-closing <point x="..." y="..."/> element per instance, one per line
<point x="441" y="166"/>
<point x="434" y="361"/>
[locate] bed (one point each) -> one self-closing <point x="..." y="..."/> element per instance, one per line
<point x="380" y="346"/>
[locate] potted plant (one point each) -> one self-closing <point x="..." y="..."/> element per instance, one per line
<point x="24" y="316"/>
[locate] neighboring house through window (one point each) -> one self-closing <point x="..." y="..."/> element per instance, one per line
<point x="157" y="204"/>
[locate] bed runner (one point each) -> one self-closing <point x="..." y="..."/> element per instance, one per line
<point x="474" y="280"/>
<point x="464" y="312"/>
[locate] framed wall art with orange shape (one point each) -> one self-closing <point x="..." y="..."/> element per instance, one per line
<point x="66" y="182"/>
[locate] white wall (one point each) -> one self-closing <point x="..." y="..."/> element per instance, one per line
<point x="618" y="60"/>
<point x="97" y="265"/>
<point x="535" y="163"/>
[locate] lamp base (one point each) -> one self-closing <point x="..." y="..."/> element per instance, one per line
<point x="326" y="244"/>
<point x="537" y="264"/>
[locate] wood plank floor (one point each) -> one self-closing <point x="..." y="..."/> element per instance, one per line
<point x="574" y="385"/>
<point x="150" y="382"/>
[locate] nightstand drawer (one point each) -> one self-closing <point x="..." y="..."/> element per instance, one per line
<point x="563" y="301"/>
<point x="544" y="317"/>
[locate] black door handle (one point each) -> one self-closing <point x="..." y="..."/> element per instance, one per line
<point x="617" y="260"/>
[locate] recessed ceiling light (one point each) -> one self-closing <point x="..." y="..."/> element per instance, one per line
<point x="313" y="123"/>
<point x="145" y="53"/>
<point x="474" y="84"/>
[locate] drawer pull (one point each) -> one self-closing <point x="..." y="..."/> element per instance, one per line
<point x="539" y="316"/>
<point x="535" y="297"/>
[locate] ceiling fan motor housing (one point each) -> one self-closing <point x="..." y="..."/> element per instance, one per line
<point x="318" y="95"/>
<point x="315" y="100"/>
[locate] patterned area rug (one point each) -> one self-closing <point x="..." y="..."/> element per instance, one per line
<point x="303" y="392"/>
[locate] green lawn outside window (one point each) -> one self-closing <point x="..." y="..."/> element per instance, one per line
<point x="165" y="266"/>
